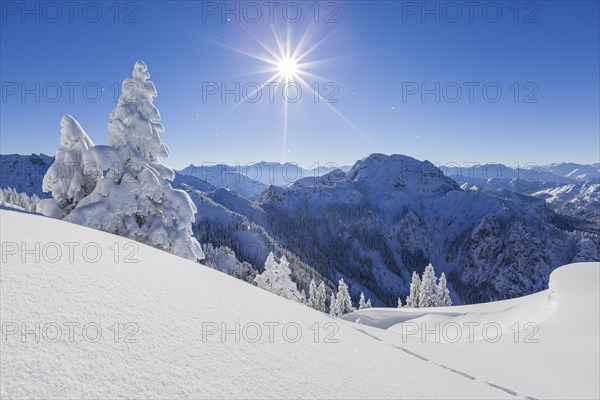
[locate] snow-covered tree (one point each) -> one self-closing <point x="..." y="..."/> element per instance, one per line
<point x="400" y="303"/>
<point x="222" y="258"/>
<point x="312" y="293"/>
<point x="343" y="302"/>
<point x="276" y="279"/>
<point x="303" y="299"/>
<point x="412" y="300"/>
<point x="443" y="294"/>
<point x="362" y="303"/>
<point x="428" y="289"/>
<point x="68" y="178"/>
<point x="10" y="197"/>
<point x="585" y="250"/>
<point x="317" y="296"/>
<point x="321" y="298"/>
<point x="135" y="199"/>
<point x="333" y="311"/>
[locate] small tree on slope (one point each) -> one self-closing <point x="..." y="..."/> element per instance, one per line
<point x="415" y="286"/>
<point x="68" y="178"/>
<point x="428" y="289"/>
<point x="332" y="305"/>
<point x="317" y="296"/>
<point x="135" y="199"/>
<point x="321" y="299"/>
<point x="443" y="294"/>
<point x="362" y="303"/>
<point x="343" y="302"/>
<point x="312" y="293"/>
<point x="276" y="279"/>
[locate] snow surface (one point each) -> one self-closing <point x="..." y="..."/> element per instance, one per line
<point x="170" y="300"/>
<point x="559" y="360"/>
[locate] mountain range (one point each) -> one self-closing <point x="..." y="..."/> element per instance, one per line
<point x="496" y="236"/>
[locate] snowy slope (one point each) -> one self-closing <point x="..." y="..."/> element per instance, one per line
<point x="549" y="347"/>
<point x="529" y="176"/>
<point x="579" y="200"/>
<point x="579" y="172"/>
<point x="167" y="301"/>
<point x="568" y="188"/>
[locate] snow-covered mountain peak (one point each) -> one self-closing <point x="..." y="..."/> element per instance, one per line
<point x="400" y="171"/>
<point x="328" y="179"/>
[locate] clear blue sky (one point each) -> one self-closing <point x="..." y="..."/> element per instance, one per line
<point x="375" y="53"/>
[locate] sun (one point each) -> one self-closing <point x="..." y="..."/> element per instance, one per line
<point x="288" y="68"/>
<point x="286" y="62"/>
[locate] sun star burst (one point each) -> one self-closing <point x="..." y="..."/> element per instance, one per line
<point x="286" y="62"/>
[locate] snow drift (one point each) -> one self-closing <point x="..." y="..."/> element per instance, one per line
<point x="548" y="346"/>
<point x="86" y="314"/>
<point x="141" y="322"/>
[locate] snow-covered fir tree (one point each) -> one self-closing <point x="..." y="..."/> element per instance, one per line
<point x="362" y="303"/>
<point x="312" y="294"/>
<point x="9" y="197"/>
<point x="333" y="311"/>
<point x="69" y="179"/>
<point x="399" y="303"/>
<point x="428" y="289"/>
<point x="585" y="250"/>
<point x="343" y="302"/>
<point x="443" y="294"/>
<point x="303" y="299"/>
<point x="317" y="296"/>
<point x="276" y="279"/>
<point x="223" y="259"/>
<point x="135" y="199"/>
<point x="412" y="300"/>
<point x="321" y="298"/>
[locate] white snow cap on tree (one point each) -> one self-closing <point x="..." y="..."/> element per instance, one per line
<point x="428" y="289"/>
<point x="276" y="279"/>
<point x="134" y="124"/>
<point x="332" y="306"/>
<point x="69" y="179"/>
<point x="312" y="294"/>
<point x="362" y="303"/>
<point x="10" y="197"/>
<point x="343" y="302"/>
<point x="321" y="300"/>
<point x="135" y="199"/>
<point x="222" y="258"/>
<point x="415" y="286"/>
<point x="443" y="294"/>
<point x="318" y="296"/>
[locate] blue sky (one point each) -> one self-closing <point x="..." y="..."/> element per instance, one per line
<point x="376" y="56"/>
